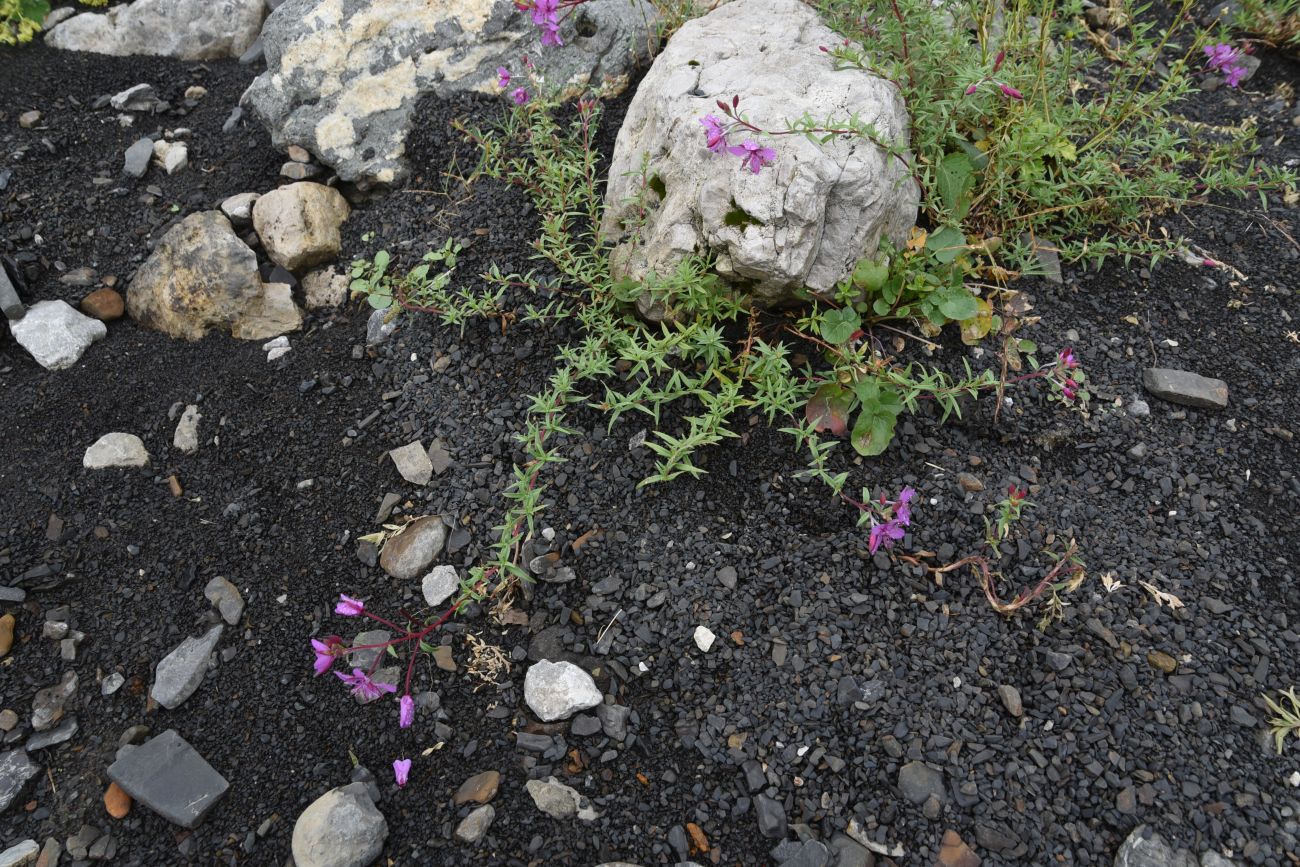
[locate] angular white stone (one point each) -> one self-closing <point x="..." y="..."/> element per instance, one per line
<point x="116" y="450"/>
<point x="341" y="828"/>
<point x="185" y="29"/>
<point x="806" y="219"/>
<point x="558" y="690"/>
<point x="269" y="316"/>
<point x="55" y="334"/>
<point x="239" y="207"/>
<point x="186" y="438"/>
<point x="413" y="463"/>
<point x="440" y="585"/>
<point x="704" y="638"/>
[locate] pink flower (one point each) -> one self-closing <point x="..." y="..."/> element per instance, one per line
<point x="752" y="154"/>
<point x="1068" y="389"/>
<point x="406" y="712"/>
<point x="1233" y="75"/>
<point x="544" y="10"/>
<point x="715" y="136"/>
<point x="1008" y="90"/>
<point x="326" y="652"/>
<point x="503" y="77"/>
<point x="348" y="606"/>
<point x="997" y="63"/>
<point x="885" y="534"/>
<point x="1219" y="56"/>
<point x="401" y="771"/>
<point x="974" y="87"/>
<point x="363" y="686"/>
<point x="519" y="96"/>
<point x="1067" y="358"/>
<point x="551" y="34"/>
<point x="903" y="508"/>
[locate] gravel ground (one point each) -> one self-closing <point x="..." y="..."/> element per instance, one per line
<point x="834" y="671"/>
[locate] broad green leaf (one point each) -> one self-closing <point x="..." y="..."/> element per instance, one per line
<point x="379" y="300"/>
<point x="975" y="328"/>
<point x="829" y="409"/>
<point x="837" y="326"/>
<point x="946" y="244"/>
<point x="880" y="407"/>
<point x="954" y="181"/>
<point x="957" y="303"/>
<point x="870" y="275"/>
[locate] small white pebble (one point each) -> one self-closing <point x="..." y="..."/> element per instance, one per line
<point x="1295" y="779"/>
<point x="704" y="638"/>
<point x="956" y="683"/>
<point x="642" y="667"/>
<point x="282" y="598"/>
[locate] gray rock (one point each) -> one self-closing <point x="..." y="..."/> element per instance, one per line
<point x="341" y="828"/>
<point x="181" y="671"/>
<point x="1145" y="848"/>
<point x="61" y="733"/>
<point x="186" y="438"/>
<point x="49" y="703"/>
<point x="239" y="208"/>
<point x="16" y="771"/>
<point x="440" y="585"/>
<point x="299" y="223"/>
<point x="1011" y="700"/>
<point x="184" y="29"/>
<point x="363" y="659"/>
<point x="413" y="463"/>
<point x="10" y="304"/>
<point x="115" y="450"/>
<point x="408" y="554"/>
<point x="1186" y="388"/>
<point x="1214" y="859"/>
<point x="379" y="327"/>
<point x="111" y="683"/>
<point x="474" y="826"/>
<point x="136" y="161"/>
<point x="236" y="115"/>
<point x="809" y="853"/>
<point x="168" y="776"/>
<point x="771" y="817"/>
<point x="804" y="221"/>
<point x="918" y="781"/>
<point x="613" y="720"/>
<point x="20" y="854"/>
<point x="56" y="334"/>
<point x="558" y="690"/>
<point x="343" y="79"/>
<point x="200" y="276"/>
<point x="560" y="801"/>
<point x="138" y="97"/>
<point x="847" y="852"/>
<point x="584" y="725"/>
<point x="1139" y="408"/>
<point x="225" y="597"/>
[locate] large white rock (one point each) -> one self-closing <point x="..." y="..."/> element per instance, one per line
<point x="558" y="690"/>
<point x="299" y="224"/>
<point x="803" y="221"/>
<point x="341" y="828"/>
<point x="116" y="450"/>
<point x="272" y="315"/>
<point x="185" y="29"/>
<point x="55" y="334"/>
<point x="343" y="77"/>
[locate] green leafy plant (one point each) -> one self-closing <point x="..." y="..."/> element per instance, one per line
<point x="20" y="20"/>
<point x="1286" y="720"/>
<point x="1273" y="22"/>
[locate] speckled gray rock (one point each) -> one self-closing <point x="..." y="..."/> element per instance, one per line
<point x="342" y="78"/>
<point x="1145" y="848"/>
<point x="806" y="219"/>
<point x="558" y="690"/>
<point x="341" y="828"/>
<point x="440" y="585"/>
<point x="560" y="801"/>
<point x="472" y="828"/>
<point x="56" y="334"/>
<point x="16" y="771"/>
<point x="49" y="703"/>
<point x="1186" y="388"/>
<point x="409" y="553"/>
<point x="186" y="437"/>
<point x="115" y="449"/>
<point x="185" y="29"/>
<point x="239" y="208"/>
<point x="413" y="463"/>
<point x="182" y="670"/>
<point x="136" y="160"/>
<point x="169" y="776"/>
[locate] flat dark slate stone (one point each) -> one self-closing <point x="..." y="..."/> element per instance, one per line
<point x="10" y="304"/>
<point x="168" y="776"/>
<point x="1186" y="388"/>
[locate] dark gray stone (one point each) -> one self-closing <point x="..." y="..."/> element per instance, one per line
<point x="168" y="776"/>
<point x="613" y="719"/>
<point x="57" y="735"/>
<point x="138" y="155"/>
<point x="1186" y="388"/>
<point x="181" y="671"/>
<point x="918" y="782"/>
<point x="771" y="817"/>
<point x="847" y="852"/>
<point x="10" y="304"/>
<point x="474" y="826"/>
<point x="584" y="725"/>
<point x="16" y="771"/>
<point x="810" y="853"/>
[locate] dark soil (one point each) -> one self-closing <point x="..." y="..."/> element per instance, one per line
<point x="1207" y="513"/>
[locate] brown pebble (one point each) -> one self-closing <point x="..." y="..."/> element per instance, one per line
<point x="442" y="656"/>
<point x="954" y="852"/>
<point x="6" y="634"/>
<point x="478" y="789"/>
<point x="29" y="119"/>
<point x="1162" y="661"/>
<point x="117" y="801"/>
<point x="699" y="843"/>
<point x="174" y="485"/>
<point x="969" y="483"/>
<point x="103" y="304"/>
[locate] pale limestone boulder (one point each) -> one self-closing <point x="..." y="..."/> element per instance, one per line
<point x="806" y="219"/>
<point x="273" y="314"/>
<point x="299" y="224"/>
<point x="184" y="29"/>
<point x="343" y="77"/>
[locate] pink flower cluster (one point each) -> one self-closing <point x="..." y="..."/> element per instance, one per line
<point x="362" y="684"/>
<point x="895" y="517"/>
<point x="750" y="152"/>
<point x="546" y="17"/>
<point x="1007" y="90"/>
<point x="1223" y="58"/>
<point x="519" y="95"/>
<point x="1065" y="363"/>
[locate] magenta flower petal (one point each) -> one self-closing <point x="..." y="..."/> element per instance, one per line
<point x="519" y="96"/>
<point x="1011" y="92"/>
<point x="974" y="87"/>
<point x="406" y="713"/>
<point x="363" y="686"/>
<point x="348" y="606"/>
<point x="715" y="134"/>
<point x="503" y="77"/>
<point x="551" y="34"/>
<point x="325" y="654"/>
<point x="401" y="771"/>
